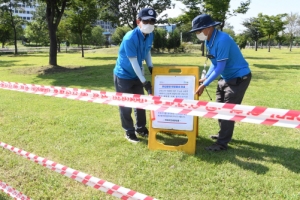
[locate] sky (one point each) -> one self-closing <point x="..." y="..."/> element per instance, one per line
<point x="267" y="7"/>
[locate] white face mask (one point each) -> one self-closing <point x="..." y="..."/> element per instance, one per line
<point x="201" y="36"/>
<point x="147" y="28"/>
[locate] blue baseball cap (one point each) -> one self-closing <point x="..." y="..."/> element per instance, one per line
<point x="147" y="13"/>
<point x="201" y="22"/>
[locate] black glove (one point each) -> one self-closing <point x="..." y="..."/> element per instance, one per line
<point x="148" y="87"/>
<point x="150" y="70"/>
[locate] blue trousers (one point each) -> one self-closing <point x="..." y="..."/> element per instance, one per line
<point x="132" y="87"/>
<point x="232" y="91"/>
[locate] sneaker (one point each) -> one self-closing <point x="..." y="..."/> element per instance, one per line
<point x="142" y="132"/>
<point x="215" y="147"/>
<point x="214" y="137"/>
<point x="131" y="137"/>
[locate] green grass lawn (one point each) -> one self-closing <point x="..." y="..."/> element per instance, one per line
<point x="262" y="162"/>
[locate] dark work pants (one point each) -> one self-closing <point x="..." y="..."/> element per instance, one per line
<point x="232" y="91"/>
<point x="132" y="87"/>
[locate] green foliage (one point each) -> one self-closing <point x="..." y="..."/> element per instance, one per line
<point x="160" y="42"/>
<point x="63" y="32"/>
<point x="241" y="40"/>
<point x="230" y="32"/>
<point x="8" y="6"/>
<point x="125" y="12"/>
<point x="119" y="33"/>
<point x="254" y="30"/>
<point x="37" y="33"/>
<point x="173" y="40"/>
<point x="6" y="30"/>
<point x="219" y="10"/>
<point x="80" y="18"/>
<point x="271" y="25"/>
<point x="97" y="37"/>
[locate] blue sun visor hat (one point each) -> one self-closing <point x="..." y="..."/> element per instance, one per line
<point x="147" y="13"/>
<point x="201" y="22"/>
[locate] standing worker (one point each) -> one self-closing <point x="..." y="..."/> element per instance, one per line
<point x="227" y="62"/>
<point x="129" y="73"/>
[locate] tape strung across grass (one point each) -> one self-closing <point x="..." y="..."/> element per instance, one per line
<point x="12" y="192"/>
<point x="234" y="112"/>
<point x="99" y="184"/>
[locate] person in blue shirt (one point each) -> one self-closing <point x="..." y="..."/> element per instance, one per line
<point x="228" y="63"/>
<point x="129" y="72"/>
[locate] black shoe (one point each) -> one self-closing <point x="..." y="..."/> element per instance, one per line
<point x="215" y="147"/>
<point x="142" y="132"/>
<point x="131" y="137"/>
<point x="214" y="137"/>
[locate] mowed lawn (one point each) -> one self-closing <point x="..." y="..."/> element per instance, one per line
<point x="262" y="162"/>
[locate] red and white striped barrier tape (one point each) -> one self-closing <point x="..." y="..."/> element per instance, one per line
<point x="242" y="113"/>
<point x="12" y="192"/>
<point x="99" y="184"/>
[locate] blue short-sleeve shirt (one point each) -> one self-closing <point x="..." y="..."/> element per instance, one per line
<point x="134" y="44"/>
<point x="222" y="47"/>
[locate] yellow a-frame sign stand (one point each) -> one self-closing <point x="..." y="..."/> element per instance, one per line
<point x="177" y="82"/>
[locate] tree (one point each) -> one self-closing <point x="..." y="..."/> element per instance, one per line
<point x="54" y="11"/>
<point x="10" y="6"/>
<point x="5" y="28"/>
<point x="160" y="36"/>
<point x="280" y="38"/>
<point x="253" y="30"/>
<point x="97" y="36"/>
<point x="63" y="33"/>
<point x="293" y="26"/>
<point x="81" y="16"/>
<point x="229" y="29"/>
<point x="271" y="25"/>
<point x="173" y="40"/>
<point x="125" y="12"/>
<point x="119" y="33"/>
<point x="219" y="10"/>
<point x="241" y="40"/>
<point x="36" y="32"/>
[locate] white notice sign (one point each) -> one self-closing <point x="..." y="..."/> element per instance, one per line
<point x="174" y="87"/>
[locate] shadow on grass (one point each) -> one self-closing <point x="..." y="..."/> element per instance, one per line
<point x="7" y="63"/>
<point x="34" y="55"/>
<point x="281" y="67"/>
<point x="101" y="58"/>
<point x="247" y="155"/>
<point x="89" y="77"/>
<point x="176" y="55"/>
<point x="260" y="58"/>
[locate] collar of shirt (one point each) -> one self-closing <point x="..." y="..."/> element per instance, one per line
<point x="210" y="42"/>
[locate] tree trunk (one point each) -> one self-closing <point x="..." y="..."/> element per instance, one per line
<point x="15" y="40"/>
<point x="81" y="41"/>
<point x="58" y="44"/>
<point x="202" y="48"/>
<point x="53" y="16"/>
<point x="269" y="41"/>
<point x="53" y="45"/>
<point x="255" y="45"/>
<point x="15" y="31"/>
<point x="291" y="42"/>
